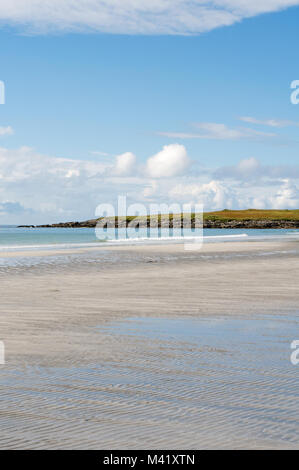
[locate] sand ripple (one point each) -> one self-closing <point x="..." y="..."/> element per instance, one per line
<point x="222" y="383"/>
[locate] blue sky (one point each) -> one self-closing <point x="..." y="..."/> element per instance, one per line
<point x="89" y="96"/>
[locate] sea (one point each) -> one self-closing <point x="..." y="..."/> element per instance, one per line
<point x="13" y="238"/>
<point x="25" y="247"/>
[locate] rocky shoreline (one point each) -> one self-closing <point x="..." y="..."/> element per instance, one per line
<point x="176" y="222"/>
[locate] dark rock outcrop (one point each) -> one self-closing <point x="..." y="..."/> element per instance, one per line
<point x="177" y="222"/>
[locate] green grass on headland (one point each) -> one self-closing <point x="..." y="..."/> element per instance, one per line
<point x="250" y="218"/>
<point x="252" y="214"/>
<point x="229" y="215"/>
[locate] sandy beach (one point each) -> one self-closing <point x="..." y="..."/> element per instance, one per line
<point x="79" y="373"/>
<point x="149" y="229"/>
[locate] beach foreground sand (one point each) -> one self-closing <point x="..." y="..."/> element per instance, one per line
<point x="75" y="379"/>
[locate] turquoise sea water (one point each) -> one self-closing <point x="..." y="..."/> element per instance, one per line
<point x="18" y="238"/>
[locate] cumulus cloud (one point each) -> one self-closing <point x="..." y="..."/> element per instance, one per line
<point x="50" y="188"/>
<point x="55" y="189"/>
<point x="286" y="196"/>
<point x="213" y="195"/>
<point x="133" y="16"/>
<point x="217" y="195"/>
<point x="125" y="164"/>
<point x="37" y="188"/>
<point x="171" y="161"/>
<point x="8" y="130"/>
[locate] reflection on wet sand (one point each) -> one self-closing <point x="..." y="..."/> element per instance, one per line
<point x="151" y="348"/>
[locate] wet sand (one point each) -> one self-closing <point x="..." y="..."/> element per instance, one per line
<point x="76" y="378"/>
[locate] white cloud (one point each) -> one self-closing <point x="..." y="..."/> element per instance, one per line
<point x="125" y="164"/>
<point x="171" y="161"/>
<point x="287" y="197"/>
<point x="269" y="122"/>
<point x="248" y="166"/>
<point x="56" y="189"/>
<point x="218" y="131"/>
<point x="71" y="173"/>
<point x="6" y="131"/>
<point x="49" y="188"/>
<point x="245" y="169"/>
<point x="23" y="163"/>
<point x="151" y="189"/>
<point x="133" y="16"/>
<point x="213" y="195"/>
<point x="216" y="195"/>
<point x="251" y="168"/>
<point x="36" y="188"/>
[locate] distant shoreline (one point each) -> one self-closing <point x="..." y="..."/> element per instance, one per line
<point x="226" y="219"/>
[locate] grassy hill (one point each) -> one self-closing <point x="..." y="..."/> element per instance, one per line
<point x="252" y="214"/>
<point x="250" y="218"/>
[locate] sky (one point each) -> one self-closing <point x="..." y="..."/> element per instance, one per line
<point x="181" y="101"/>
